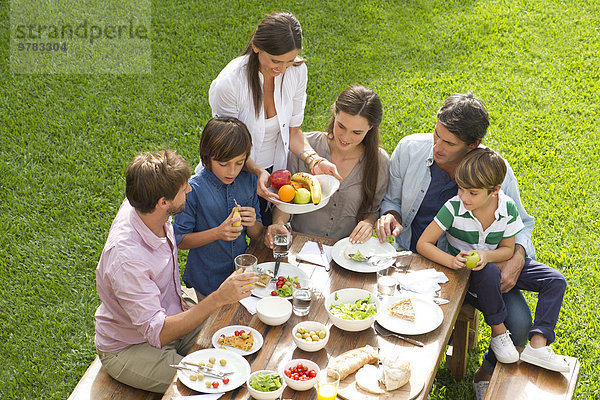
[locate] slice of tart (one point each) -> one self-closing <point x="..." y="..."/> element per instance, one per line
<point x="403" y="309"/>
<point x="244" y="341"/>
<point x="263" y="280"/>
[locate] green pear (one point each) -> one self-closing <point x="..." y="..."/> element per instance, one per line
<point x="302" y="196"/>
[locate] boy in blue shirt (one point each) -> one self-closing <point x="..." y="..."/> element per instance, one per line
<point x="206" y="226"/>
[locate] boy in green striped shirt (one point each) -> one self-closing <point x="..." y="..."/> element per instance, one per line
<point x="482" y="219"/>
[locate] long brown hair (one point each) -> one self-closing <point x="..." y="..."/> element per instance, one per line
<point x="359" y="100"/>
<point x="278" y="33"/>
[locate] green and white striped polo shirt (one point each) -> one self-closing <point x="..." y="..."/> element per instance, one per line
<point x="464" y="231"/>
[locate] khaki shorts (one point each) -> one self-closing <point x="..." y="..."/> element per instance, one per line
<point x="144" y="366"/>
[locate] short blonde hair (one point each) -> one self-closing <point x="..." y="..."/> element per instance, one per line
<point x="151" y="176"/>
<point x="481" y="168"/>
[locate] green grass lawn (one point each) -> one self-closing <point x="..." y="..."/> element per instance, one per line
<point x="66" y="140"/>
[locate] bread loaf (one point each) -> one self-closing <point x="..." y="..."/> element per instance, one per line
<point x="351" y="361"/>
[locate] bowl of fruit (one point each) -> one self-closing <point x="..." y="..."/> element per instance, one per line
<point x="300" y="374"/>
<point x="302" y="192"/>
<point x="310" y="335"/>
<point x="265" y="385"/>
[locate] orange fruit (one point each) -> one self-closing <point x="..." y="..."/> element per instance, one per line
<point x="298" y="185"/>
<point x="286" y="193"/>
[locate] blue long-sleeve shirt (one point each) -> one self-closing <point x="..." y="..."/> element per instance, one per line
<point x="410" y="177"/>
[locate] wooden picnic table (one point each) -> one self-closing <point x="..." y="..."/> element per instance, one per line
<point x="279" y="347"/>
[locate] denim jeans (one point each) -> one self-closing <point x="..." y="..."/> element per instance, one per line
<point x="550" y="285"/>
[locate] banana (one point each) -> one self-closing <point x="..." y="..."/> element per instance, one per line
<point x="313" y="184"/>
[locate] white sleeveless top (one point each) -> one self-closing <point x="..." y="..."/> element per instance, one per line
<point x="265" y="156"/>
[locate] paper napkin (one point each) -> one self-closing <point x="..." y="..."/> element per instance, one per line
<point x="250" y="304"/>
<point x="310" y="252"/>
<point x="426" y="281"/>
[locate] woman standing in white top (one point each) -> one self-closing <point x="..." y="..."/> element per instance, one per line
<point x="265" y="88"/>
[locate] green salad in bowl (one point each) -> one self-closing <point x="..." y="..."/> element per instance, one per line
<point x="265" y="385"/>
<point x="352" y="309"/>
<point x="359" y="310"/>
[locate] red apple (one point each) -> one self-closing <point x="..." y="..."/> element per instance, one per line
<point x="280" y="178"/>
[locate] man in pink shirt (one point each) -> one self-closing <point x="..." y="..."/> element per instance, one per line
<point x="143" y="325"/>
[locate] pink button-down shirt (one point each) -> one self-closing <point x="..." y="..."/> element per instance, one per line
<point x="138" y="281"/>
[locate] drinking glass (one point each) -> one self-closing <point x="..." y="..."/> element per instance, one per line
<point x="403" y="260"/>
<point x="327" y="386"/>
<point x="301" y="296"/>
<point x="246" y="262"/>
<point x="282" y="239"/>
<point x="386" y="283"/>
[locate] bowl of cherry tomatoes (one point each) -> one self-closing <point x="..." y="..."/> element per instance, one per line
<point x="300" y="374"/>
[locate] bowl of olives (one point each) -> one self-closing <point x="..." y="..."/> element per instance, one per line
<point x="310" y="335"/>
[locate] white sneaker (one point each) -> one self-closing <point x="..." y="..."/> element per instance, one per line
<point x="544" y="357"/>
<point x="504" y="349"/>
<point x="480" y="388"/>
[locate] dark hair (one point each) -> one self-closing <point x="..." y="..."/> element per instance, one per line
<point x="278" y="33"/>
<point x="359" y="100"/>
<point x="151" y="176"/>
<point x="465" y="116"/>
<point x="481" y="168"/>
<point x="224" y="138"/>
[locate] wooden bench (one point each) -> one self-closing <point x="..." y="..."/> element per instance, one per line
<point x="464" y="338"/>
<point x="521" y="381"/>
<point x="96" y="384"/>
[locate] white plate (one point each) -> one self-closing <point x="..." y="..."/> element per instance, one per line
<point x="428" y="315"/>
<point x="285" y="270"/>
<point x="369" y="248"/>
<point x="230" y="331"/>
<point x="329" y="185"/>
<point x="235" y="363"/>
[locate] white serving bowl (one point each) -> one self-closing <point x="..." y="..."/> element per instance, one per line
<point x="257" y="394"/>
<point x="329" y="185"/>
<point x="274" y="310"/>
<point x="300" y="385"/>
<point x="310" y="326"/>
<point x="350" y="295"/>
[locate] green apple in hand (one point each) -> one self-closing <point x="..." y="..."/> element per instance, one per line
<point x="472" y="259"/>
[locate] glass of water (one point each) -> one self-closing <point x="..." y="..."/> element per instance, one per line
<point x="282" y="239"/>
<point x="301" y="296"/>
<point x="386" y="282"/>
<point x="246" y="262"/>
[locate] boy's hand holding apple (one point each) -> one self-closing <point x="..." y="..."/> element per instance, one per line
<point x="474" y="260"/>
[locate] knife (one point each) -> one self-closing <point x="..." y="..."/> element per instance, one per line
<point x="323" y="256"/>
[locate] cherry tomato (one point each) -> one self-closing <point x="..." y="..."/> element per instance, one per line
<point x="281" y="278"/>
<point x="242" y="331"/>
<point x="237" y="333"/>
<point x="226" y="380"/>
<point x="273" y="293"/>
<point x="312" y="373"/>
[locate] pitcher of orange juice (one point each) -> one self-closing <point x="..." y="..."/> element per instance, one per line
<point x="327" y="385"/>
